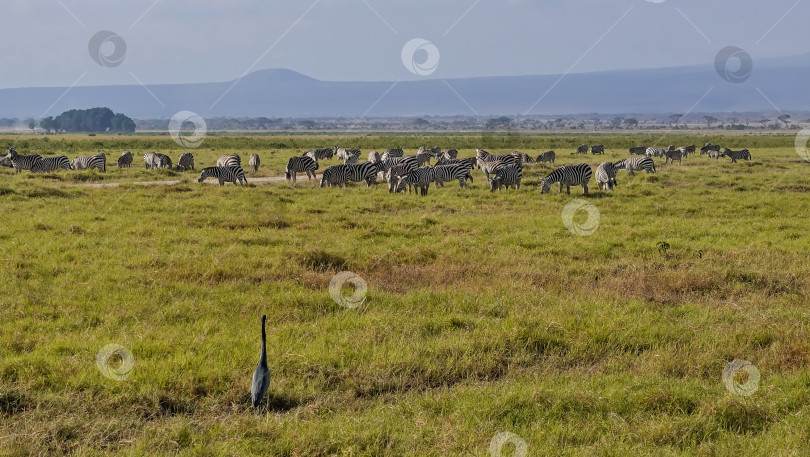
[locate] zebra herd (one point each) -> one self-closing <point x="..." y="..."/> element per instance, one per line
<point x="35" y="163"/>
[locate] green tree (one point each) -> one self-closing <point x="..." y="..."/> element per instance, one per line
<point x="46" y="123"/>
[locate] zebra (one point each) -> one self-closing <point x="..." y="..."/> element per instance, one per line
<point x="744" y="154"/>
<point x="397" y="152"/>
<point x="638" y="150"/>
<point x="636" y="163"/>
<point x="125" y="161"/>
<point x="712" y="154"/>
<point x="48" y="164"/>
<point x="350" y="159"/>
<point x="435" y="151"/>
<point x="606" y="176"/>
<point x="548" y="156"/>
<point x="578" y="175"/>
<point x="303" y="164"/>
<point x="656" y="152"/>
<point x="344" y="153"/>
<point x="98" y="161"/>
<point x="224" y="174"/>
<point x="484" y="156"/>
<point x="423" y="158"/>
<point x="393" y="173"/>
<point x="20" y="163"/>
<point x="491" y="167"/>
<point x="673" y="154"/>
<point x="686" y="150"/>
<point x="598" y="149"/>
<point x="446" y="173"/>
<point x="254" y="162"/>
<point x="229" y="160"/>
<point x="709" y="147"/>
<point x="149" y="160"/>
<point x="450" y="154"/>
<point x="470" y="161"/>
<point x="162" y="161"/>
<point x="374" y="156"/>
<point x="319" y="154"/>
<point x="340" y="174"/>
<point x="409" y="162"/>
<point x="522" y="157"/>
<point x="507" y="176"/>
<point x="336" y="175"/>
<point x="6" y="162"/>
<point x="186" y="161"/>
<point x="582" y="149"/>
<point x="421" y="178"/>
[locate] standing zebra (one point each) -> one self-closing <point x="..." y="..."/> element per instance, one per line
<point x="656" y="152"/>
<point x="341" y="174"/>
<point x="470" y="161"/>
<point x="507" y="176"/>
<point x="48" y="164"/>
<point x="522" y="157"/>
<point x="598" y="149"/>
<point x="397" y="152"/>
<point x="421" y="178"/>
<point x="491" y="167"/>
<point x="672" y="155"/>
<point x="582" y="149"/>
<point x="186" y="161"/>
<point x="6" y="161"/>
<point x="712" y="154"/>
<point x="449" y="154"/>
<point x="484" y="156"/>
<point x="374" y="156"/>
<point x="548" y="156"/>
<point x="98" y="161"/>
<point x="303" y="164"/>
<point x="224" y="174"/>
<point x="393" y="173"/>
<point x="229" y="160"/>
<point x="743" y="154"/>
<point x="125" y="161"/>
<point x="344" y="154"/>
<point x="709" y="147"/>
<point x="638" y="150"/>
<point x="22" y="162"/>
<point x="606" y="176"/>
<point x="254" y="162"/>
<point x="162" y="161"/>
<point x="567" y="175"/>
<point x="636" y="163"/>
<point x="446" y="173"/>
<point x="319" y="154"/>
<point x="149" y="160"/>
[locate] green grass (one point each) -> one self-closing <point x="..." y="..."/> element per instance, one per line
<point x="484" y="313"/>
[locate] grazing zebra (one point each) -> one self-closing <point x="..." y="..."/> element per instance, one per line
<point x="336" y="175"/>
<point x="446" y="173"/>
<point x="712" y="154"/>
<point x="507" y="176"/>
<point x="709" y="147"/>
<point x="149" y="160"/>
<point x="423" y="158"/>
<point x="522" y="157"/>
<point x="48" y="164"/>
<point x="638" y="150"/>
<point x="450" y="154"/>
<point x="340" y="174"/>
<point x="606" y="176"/>
<point x="125" y="161"/>
<point x="469" y="161"/>
<point x="419" y="178"/>
<point x="741" y="154"/>
<point x="397" y="152"/>
<point x="598" y="149"/>
<point x="254" y="162"/>
<point x="6" y="162"/>
<point x="392" y="175"/>
<point x="186" y="161"/>
<point x="319" y="154"/>
<point x="548" y="156"/>
<point x="304" y="164"/>
<point x="162" y="161"/>
<point x="567" y="175"/>
<point x="224" y="174"/>
<point x="582" y="149"/>
<point x="636" y="163"/>
<point x="491" y="167"/>
<point x="98" y="161"/>
<point x="686" y="150"/>
<point x="407" y="162"/>
<point x="22" y="162"/>
<point x="344" y="154"/>
<point x="484" y="156"/>
<point x="229" y="160"/>
<point x="673" y="154"/>
<point x="435" y="151"/>
<point x="656" y="152"/>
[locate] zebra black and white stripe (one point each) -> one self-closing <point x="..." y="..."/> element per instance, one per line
<point x="162" y="161"/>
<point x="341" y="174"/>
<point x="254" y="162"/>
<point x="229" y="160"/>
<point x="319" y="154"/>
<point x="712" y="154"/>
<point x="656" y="152"/>
<point x="419" y="178"/>
<point x="374" y="156"/>
<point x="186" y="161"/>
<point x="522" y="157"/>
<point x="743" y="154"/>
<point x="450" y="154"/>
<point x="347" y="155"/>
<point x="638" y="150"/>
<point x="446" y="173"/>
<point x="48" y="164"/>
<point x="672" y="155"/>
<point x="636" y="163"/>
<point x="471" y="161"/>
<point x="598" y="149"/>
<point x="582" y="149"/>
<point x="606" y="176"/>
<point x="507" y="176"/>
<point x="125" y="161"/>
<point x="396" y="152"/>
<point x="224" y="174"/>
<point x="97" y="161"/>
<point x="22" y="162"/>
<point x="548" y="156"/>
<point x="708" y="147"/>
<point x="491" y="166"/>
<point x="568" y="175"/>
<point x="484" y="156"/>
<point x="6" y="161"/>
<point x="304" y="164"/>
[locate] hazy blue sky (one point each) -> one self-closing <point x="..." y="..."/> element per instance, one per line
<point x="170" y="41"/>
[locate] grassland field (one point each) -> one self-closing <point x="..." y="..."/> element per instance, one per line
<point x="484" y="313"/>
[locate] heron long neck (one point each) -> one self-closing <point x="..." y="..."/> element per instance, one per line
<point x="263" y="359"/>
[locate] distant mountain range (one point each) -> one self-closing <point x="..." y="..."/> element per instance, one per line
<point x="774" y="83"/>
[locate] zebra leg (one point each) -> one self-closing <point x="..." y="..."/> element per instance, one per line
<point x="221" y="182"/>
<point x="568" y="189"/>
<point x="561" y="186"/>
<point x="584" y="189"/>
